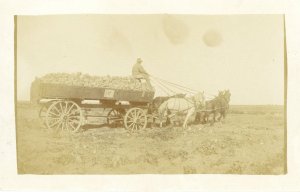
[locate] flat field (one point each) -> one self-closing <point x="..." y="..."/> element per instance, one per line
<point x="249" y="141"/>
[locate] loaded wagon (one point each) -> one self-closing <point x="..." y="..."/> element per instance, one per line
<point x="63" y="106"/>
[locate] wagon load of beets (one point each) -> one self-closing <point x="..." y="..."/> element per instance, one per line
<point x="86" y="80"/>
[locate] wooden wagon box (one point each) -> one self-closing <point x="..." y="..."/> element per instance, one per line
<point x="41" y="90"/>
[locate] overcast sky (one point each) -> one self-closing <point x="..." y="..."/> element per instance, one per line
<point x="243" y="53"/>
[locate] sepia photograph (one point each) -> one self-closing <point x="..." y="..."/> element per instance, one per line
<point x="150" y="94"/>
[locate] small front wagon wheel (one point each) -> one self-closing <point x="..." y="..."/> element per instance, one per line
<point x="135" y="119"/>
<point x="114" y="117"/>
<point x="64" y="116"/>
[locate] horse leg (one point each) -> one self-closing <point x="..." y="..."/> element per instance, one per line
<point x="168" y="121"/>
<point x="161" y="119"/>
<point x="198" y="118"/>
<point x="224" y="114"/>
<point x="221" y="114"/>
<point x="185" y="121"/>
<point x="160" y="124"/>
<point x="215" y="114"/>
<point x="205" y="118"/>
<point x="213" y="119"/>
<point x="152" y="121"/>
<point x="162" y="114"/>
<point x="172" y="123"/>
<point x="189" y="113"/>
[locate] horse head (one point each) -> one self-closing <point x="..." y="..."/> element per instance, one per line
<point x="221" y="93"/>
<point x="227" y="95"/>
<point x="199" y="99"/>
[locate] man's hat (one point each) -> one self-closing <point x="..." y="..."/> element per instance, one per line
<point x="139" y="60"/>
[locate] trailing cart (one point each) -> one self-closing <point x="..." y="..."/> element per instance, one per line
<point x="63" y="106"/>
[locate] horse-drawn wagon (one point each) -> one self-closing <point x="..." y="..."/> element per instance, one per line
<point x="130" y="102"/>
<point x="63" y="107"/>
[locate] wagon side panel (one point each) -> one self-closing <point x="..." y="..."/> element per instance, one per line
<point x="54" y="91"/>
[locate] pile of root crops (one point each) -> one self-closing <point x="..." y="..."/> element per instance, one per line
<point x="86" y="80"/>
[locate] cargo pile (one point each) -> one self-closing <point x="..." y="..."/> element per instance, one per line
<point x="86" y="80"/>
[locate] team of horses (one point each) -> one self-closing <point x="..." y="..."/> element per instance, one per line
<point x="204" y="111"/>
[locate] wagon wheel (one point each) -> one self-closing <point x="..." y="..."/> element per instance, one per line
<point x="115" y="117"/>
<point x="135" y="119"/>
<point x="64" y="115"/>
<point x="43" y="111"/>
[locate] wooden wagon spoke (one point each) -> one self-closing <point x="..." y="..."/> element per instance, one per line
<point x="54" y="107"/>
<point x="141" y="120"/>
<point x="114" y="118"/>
<point x="78" y="121"/>
<point x="131" y="115"/>
<point x="74" y="128"/>
<point x="58" y="126"/>
<point x="66" y="125"/>
<point x="64" y="115"/>
<point x="54" y="114"/>
<point x="141" y="124"/>
<point x="63" y="125"/>
<point x="66" y="107"/>
<point x="137" y="126"/>
<point x="139" y="113"/>
<point x="61" y="108"/>
<point x="69" y="110"/>
<point x="131" y="125"/>
<point x="69" y="126"/>
<point x="54" y="117"/>
<point x="74" y="117"/>
<point x="55" y="122"/>
<point x="74" y="112"/>
<point x="75" y="122"/>
<point x="135" y="119"/>
<point x="131" y="118"/>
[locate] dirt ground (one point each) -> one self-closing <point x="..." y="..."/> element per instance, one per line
<point x="249" y="141"/>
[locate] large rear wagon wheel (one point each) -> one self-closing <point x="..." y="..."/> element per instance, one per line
<point x="64" y="116"/>
<point x="135" y="119"/>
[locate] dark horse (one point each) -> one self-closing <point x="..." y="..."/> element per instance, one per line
<point x="217" y="106"/>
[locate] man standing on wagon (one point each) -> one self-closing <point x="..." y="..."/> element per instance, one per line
<point x="139" y="72"/>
